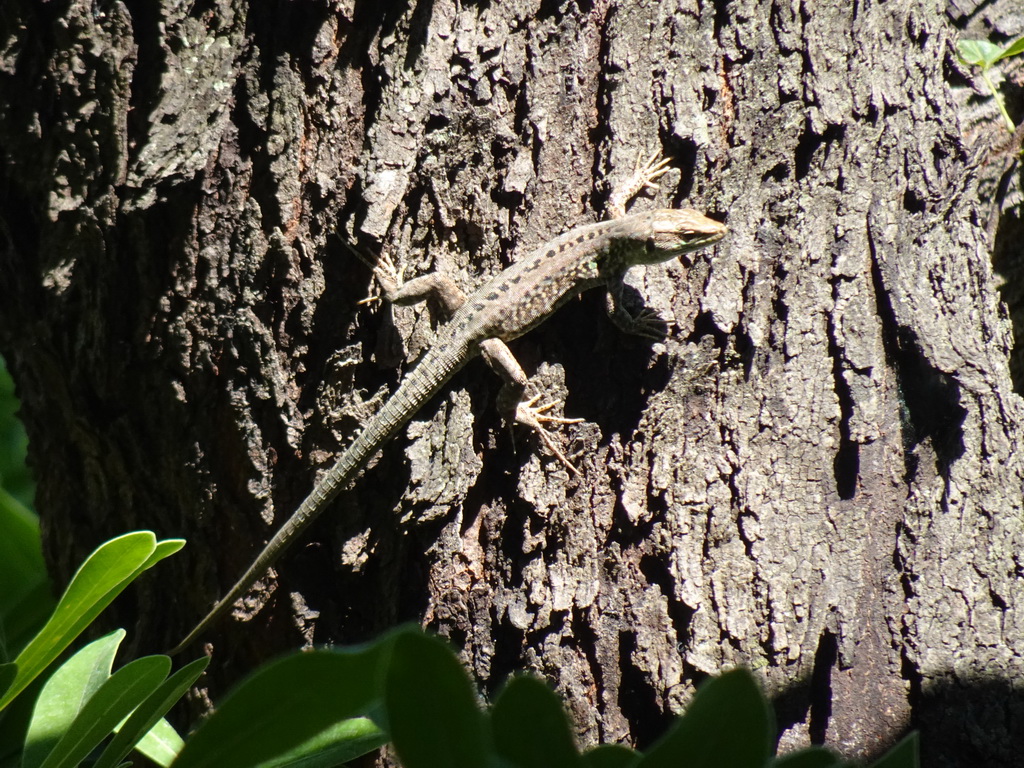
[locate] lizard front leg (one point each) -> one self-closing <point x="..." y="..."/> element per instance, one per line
<point x="644" y="177"/>
<point x="646" y="323"/>
<point x="434" y="286"/>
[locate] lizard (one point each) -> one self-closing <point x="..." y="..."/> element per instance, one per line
<point x="505" y="307"/>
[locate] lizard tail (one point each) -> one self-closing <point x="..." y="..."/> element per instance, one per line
<point x="436" y="370"/>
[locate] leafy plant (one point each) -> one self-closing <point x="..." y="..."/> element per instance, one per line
<point x="410" y="690"/>
<point x="983" y="54"/>
<point x="321" y="708"/>
<point x="82" y="702"/>
<point x="25" y="600"/>
<point x="14" y="474"/>
<point x="102" y="577"/>
<point x="308" y="708"/>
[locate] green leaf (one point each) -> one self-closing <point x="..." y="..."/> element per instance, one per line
<point x="150" y="711"/>
<point x="112" y="703"/>
<point x="14" y="475"/>
<point x="903" y="755"/>
<point x="21" y="553"/>
<point x="102" y="577"/>
<point x="812" y="757"/>
<point x="1013" y="48"/>
<point x="338" y="744"/>
<point x="282" y="705"/>
<point x="431" y="707"/>
<point x="727" y="723"/>
<point x="64" y="695"/>
<point x="163" y="549"/>
<point x="25" y="600"/>
<point x="530" y="726"/>
<point x="981" y="53"/>
<point x="162" y="744"/>
<point x="610" y="756"/>
<point x="14" y="725"/>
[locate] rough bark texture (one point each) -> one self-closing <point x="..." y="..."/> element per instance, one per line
<point x="815" y="475"/>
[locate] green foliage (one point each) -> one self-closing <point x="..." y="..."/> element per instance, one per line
<point x="813" y="757"/>
<point x="430" y="706"/>
<point x="25" y="600"/>
<point x="529" y="726"/>
<point x="610" y="756"/>
<point x="82" y="702"/>
<point x="410" y="690"/>
<point x="101" y="578"/>
<point x="290" y="703"/>
<point x="14" y="474"/>
<point x="984" y="55"/>
<point x="705" y="735"/>
<point x="320" y="708"/>
<point x="145" y="729"/>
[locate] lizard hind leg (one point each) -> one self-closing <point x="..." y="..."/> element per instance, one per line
<point x="512" y="405"/>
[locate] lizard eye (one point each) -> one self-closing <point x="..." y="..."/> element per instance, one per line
<point x="652" y="245"/>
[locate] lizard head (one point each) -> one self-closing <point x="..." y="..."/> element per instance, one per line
<point x="672" y="233"/>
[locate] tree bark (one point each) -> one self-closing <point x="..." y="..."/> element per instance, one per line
<point x="814" y="475"/>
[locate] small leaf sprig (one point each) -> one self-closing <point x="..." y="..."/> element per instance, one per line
<point x="983" y="54"/>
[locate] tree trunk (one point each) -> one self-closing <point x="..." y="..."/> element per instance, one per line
<point x="814" y="475"/>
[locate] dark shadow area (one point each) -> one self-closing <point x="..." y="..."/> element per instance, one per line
<point x="972" y="723"/>
<point x="639" y="704"/>
<point x="929" y="398"/>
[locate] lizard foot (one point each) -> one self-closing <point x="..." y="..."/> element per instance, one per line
<point x="646" y="323"/>
<point x="645" y="175"/>
<point x="535" y="417"/>
<point x="385" y="272"/>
